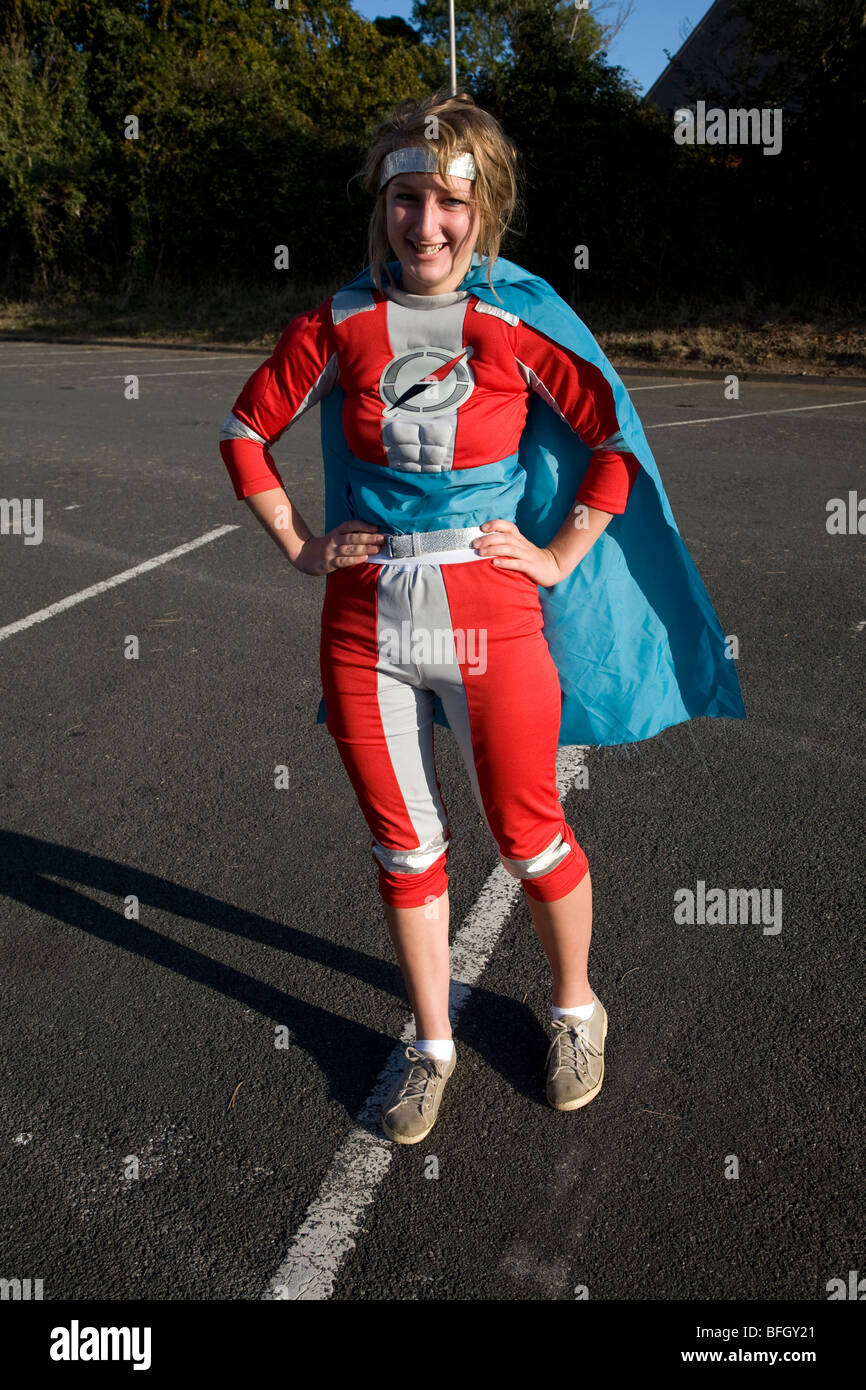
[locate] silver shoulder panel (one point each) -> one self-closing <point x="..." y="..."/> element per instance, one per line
<point x="483" y="308"/>
<point x="345" y="303"/>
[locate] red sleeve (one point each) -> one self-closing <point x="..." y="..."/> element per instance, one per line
<point x="581" y="394"/>
<point x="300" y="371"/>
<point x="250" y="465"/>
<point x="608" y="481"/>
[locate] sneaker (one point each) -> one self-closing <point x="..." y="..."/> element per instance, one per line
<point x="410" y="1108"/>
<point x="575" y="1059"/>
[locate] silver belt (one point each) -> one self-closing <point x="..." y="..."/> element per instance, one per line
<point x="423" y="542"/>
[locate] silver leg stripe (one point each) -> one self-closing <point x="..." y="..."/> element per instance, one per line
<point x="540" y="863"/>
<point x="410" y="861"/>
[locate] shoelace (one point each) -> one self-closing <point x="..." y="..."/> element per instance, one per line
<point x="574" y="1039"/>
<point x="424" y="1070"/>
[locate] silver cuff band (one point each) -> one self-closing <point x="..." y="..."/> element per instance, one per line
<point x="411" y="861"/>
<point x="613" y="441"/>
<point x="418" y="159"/>
<point x="233" y="428"/>
<point x="540" y="863"/>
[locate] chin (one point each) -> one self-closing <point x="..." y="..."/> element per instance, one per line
<point x="432" y="276"/>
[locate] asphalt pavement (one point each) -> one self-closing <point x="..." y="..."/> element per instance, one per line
<point x="168" y="909"/>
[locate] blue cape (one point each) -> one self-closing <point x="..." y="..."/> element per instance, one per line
<point x="632" y="631"/>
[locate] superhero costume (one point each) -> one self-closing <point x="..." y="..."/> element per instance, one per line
<point x="441" y="412"/>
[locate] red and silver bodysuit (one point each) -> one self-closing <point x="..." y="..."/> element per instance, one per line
<point x="436" y="391"/>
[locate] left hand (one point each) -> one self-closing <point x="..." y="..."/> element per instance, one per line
<point x="508" y="549"/>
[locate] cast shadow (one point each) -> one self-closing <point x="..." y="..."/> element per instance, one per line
<point x="28" y="865"/>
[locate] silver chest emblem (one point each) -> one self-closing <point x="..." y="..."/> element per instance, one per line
<point x="426" y="382"/>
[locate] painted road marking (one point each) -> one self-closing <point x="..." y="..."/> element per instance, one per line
<point x="89" y="362"/>
<point x="672" y="385"/>
<point x="43" y="613"/>
<point x="789" y="410"/>
<point x="206" y="371"/>
<point x="333" y="1218"/>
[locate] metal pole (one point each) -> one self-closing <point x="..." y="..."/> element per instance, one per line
<point x="453" y="48"/>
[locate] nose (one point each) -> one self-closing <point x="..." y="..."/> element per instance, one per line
<point x="427" y="220"/>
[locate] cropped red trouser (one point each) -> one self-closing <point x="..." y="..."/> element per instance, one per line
<point x="391" y="636"/>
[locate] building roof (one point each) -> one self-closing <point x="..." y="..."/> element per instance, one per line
<point x="706" y="62"/>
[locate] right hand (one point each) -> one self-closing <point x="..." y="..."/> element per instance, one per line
<point x="348" y="544"/>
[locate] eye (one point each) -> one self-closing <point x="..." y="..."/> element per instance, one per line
<point x="457" y="202"/>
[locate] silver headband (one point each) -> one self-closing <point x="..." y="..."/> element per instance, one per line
<point x="417" y="159"/>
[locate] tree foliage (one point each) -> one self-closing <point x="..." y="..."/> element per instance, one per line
<point x="252" y="122"/>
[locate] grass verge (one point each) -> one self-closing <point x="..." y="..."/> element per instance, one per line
<point x="810" y="337"/>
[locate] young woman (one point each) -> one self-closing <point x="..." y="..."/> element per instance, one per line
<point x="432" y="607"/>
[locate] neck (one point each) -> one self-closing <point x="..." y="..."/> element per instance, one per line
<point x="425" y="301"/>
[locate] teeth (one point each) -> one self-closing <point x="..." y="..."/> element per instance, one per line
<point x="428" y="250"/>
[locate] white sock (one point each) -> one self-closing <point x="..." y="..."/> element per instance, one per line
<point x="583" y="1011"/>
<point x="440" y="1048"/>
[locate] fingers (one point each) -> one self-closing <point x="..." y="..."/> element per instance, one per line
<point x="493" y="545"/>
<point x="364" y="538"/>
<point x="493" y="539"/>
<point x="356" y="545"/>
<point x="360" y="528"/>
<point x="349" y="554"/>
<point x="500" y="534"/>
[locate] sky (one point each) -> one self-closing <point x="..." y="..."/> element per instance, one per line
<point x="654" y="25"/>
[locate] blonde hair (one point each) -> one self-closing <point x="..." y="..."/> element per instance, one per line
<point x="458" y="125"/>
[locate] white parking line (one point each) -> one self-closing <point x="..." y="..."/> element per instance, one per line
<point x="672" y="385"/>
<point x="333" y="1218"/>
<point x="746" y="415"/>
<point x="89" y="362"/>
<point x="100" y="588"/>
<point x="95" y="351"/>
<point x="207" y="371"/>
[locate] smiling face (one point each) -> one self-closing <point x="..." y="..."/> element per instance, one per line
<point x="432" y="229"/>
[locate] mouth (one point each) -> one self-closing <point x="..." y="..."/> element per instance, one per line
<point x="427" y="251"/>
